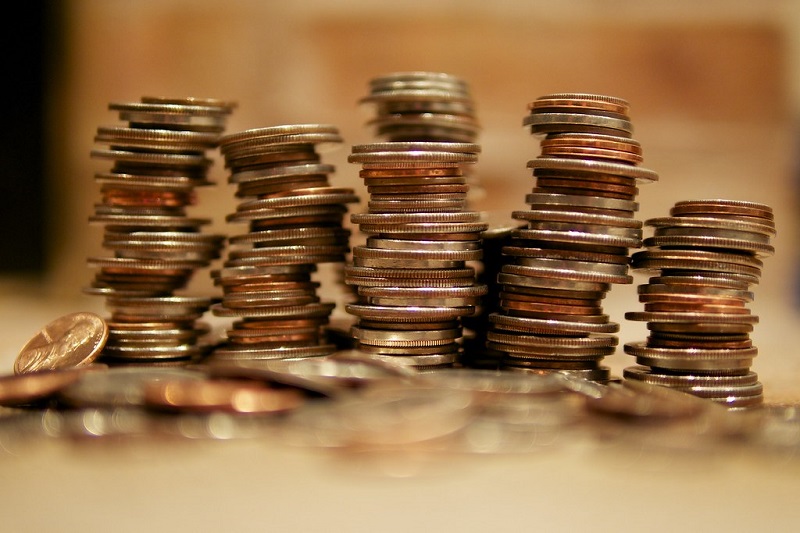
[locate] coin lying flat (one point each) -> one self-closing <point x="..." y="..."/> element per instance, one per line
<point x="72" y="340"/>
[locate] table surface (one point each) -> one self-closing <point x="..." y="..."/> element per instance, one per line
<point x="266" y="483"/>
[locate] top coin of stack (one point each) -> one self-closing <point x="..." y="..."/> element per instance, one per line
<point x="706" y="255"/>
<point x="575" y="243"/>
<point x="159" y="158"/>
<point x="295" y="223"/>
<point x="422" y="106"/>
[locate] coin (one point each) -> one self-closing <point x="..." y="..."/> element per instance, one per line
<point x="69" y="341"/>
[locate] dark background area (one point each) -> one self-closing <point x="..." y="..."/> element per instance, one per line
<point x="31" y="48"/>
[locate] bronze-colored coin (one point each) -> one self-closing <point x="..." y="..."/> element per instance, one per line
<point x="32" y="387"/>
<point x="454" y="188"/>
<point x="225" y="395"/>
<point x="698" y="342"/>
<point x="722" y="207"/>
<point x="72" y="340"/>
<point x="519" y="248"/>
<point x="595" y="187"/>
<point x="581" y="102"/>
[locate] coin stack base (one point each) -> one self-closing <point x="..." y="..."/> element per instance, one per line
<point x="706" y="256"/>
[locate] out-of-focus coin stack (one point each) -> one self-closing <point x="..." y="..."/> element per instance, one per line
<point x="706" y="257"/>
<point x="580" y="227"/>
<point x="412" y="276"/>
<point x="158" y="160"/>
<point x="422" y="106"/>
<point x="295" y="221"/>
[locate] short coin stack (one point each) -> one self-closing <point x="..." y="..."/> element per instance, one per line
<point x="295" y="220"/>
<point x="159" y="158"/>
<point x="575" y="244"/>
<point x="706" y="255"/>
<point x="412" y="278"/>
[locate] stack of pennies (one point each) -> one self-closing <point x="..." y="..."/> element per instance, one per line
<point x="575" y="241"/>
<point x="295" y="222"/>
<point x="706" y="256"/>
<point x="412" y="276"/>
<point x="158" y="160"/>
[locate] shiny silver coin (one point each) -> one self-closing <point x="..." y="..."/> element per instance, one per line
<point x="551" y="325"/>
<point x="595" y="167"/>
<point x="688" y="380"/>
<point x="230" y="352"/>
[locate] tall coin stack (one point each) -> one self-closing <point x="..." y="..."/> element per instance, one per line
<point x="158" y="160"/>
<point x="294" y="217"/>
<point x="706" y="256"/>
<point x="420" y="106"/>
<point x="412" y="278"/>
<point x="578" y="231"/>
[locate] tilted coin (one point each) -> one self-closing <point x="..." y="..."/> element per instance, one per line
<point x="72" y="340"/>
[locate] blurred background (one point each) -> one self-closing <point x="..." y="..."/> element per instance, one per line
<point x="713" y="88"/>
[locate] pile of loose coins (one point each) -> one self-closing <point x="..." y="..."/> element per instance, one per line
<point x="706" y="256"/>
<point x="412" y="278"/>
<point x="295" y="222"/>
<point x="158" y="160"/>
<point x="575" y="240"/>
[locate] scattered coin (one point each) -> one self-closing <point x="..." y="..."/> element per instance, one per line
<point x="69" y="341"/>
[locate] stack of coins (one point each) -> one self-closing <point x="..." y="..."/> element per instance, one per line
<point x="575" y="244"/>
<point x="294" y="217"/>
<point x="706" y="256"/>
<point x="158" y="160"/>
<point x="411" y="276"/>
<point x="421" y="106"/>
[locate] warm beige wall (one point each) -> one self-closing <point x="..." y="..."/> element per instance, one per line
<point x="712" y="87"/>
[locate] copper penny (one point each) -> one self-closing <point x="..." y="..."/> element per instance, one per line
<point x="72" y="340"/>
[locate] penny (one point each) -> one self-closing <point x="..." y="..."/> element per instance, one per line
<point x="221" y="395"/>
<point x="69" y="341"/>
<point x="32" y="387"/>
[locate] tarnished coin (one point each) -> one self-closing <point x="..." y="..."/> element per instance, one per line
<point x="72" y="340"/>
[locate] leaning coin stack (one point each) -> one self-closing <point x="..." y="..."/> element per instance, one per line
<point x="706" y="255"/>
<point x="158" y="160"/>
<point x="295" y="222"/>
<point x="575" y="244"/>
<point x="412" y="278"/>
